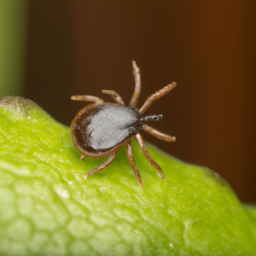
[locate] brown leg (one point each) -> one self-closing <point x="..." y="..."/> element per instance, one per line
<point x="149" y="158"/>
<point x="102" y="166"/>
<point x="82" y="157"/>
<point x="87" y="98"/>
<point x="136" y="94"/>
<point x="128" y="148"/>
<point x="156" y="96"/>
<point x="158" y="134"/>
<point x="114" y="95"/>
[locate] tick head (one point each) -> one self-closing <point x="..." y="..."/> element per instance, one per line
<point x="152" y="118"/>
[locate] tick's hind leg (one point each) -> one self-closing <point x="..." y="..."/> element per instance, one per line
<point x="158" y="134"/>
<point x="136" y="94"/>
<point x="102" y="166"/>
<point x="117" y="98"/>
<point x="129" y="151"/>
<point x="149" y="158"/>
<point x="87" y="98"/>
<point x="156" y="96"/>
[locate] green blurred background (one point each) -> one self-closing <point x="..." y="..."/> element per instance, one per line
<point x="50" y="50"/>
<point x="13" y="38"/>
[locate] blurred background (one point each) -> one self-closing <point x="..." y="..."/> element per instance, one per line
<point x="50" y="50"/>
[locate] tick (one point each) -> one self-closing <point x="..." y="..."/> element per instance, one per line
<point x="101" y="129"/>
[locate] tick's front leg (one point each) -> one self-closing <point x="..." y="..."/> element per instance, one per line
<point x="156" y="96"/>
<point x="158" y="134"/>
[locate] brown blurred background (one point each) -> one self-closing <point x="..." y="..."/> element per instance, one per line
<point x="207" y="47"/>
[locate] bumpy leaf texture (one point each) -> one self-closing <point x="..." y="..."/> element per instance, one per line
<point x="47" y="208"/>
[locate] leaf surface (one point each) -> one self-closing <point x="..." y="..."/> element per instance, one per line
<point x="47" y="208"/>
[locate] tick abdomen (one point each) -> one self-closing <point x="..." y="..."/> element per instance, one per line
<point x="103" y="127"/>
<point x="110" y="126"/>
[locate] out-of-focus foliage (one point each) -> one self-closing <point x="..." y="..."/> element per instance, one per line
<point x="13" y="27"/>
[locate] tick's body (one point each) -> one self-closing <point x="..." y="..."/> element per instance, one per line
<point x="100" y="129"/>
<point x="103" y="128"/>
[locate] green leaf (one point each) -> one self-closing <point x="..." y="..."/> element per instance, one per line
<point x="47" y="208"/>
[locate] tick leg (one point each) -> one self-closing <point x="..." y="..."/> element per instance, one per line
<point x="128" y="148"/>
<point x="158" y="134"/>
<point x="156" y="96"/>
<point x="114" y="95"/>
<point x="149" y="158"/>
<point x="136" y="94"/>
<point x="87" y="98"/>
<point x="103" y="166"/>
<point x="82" y="157"/>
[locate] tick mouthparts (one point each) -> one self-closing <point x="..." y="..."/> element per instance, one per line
<point x="152" y="118"/>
